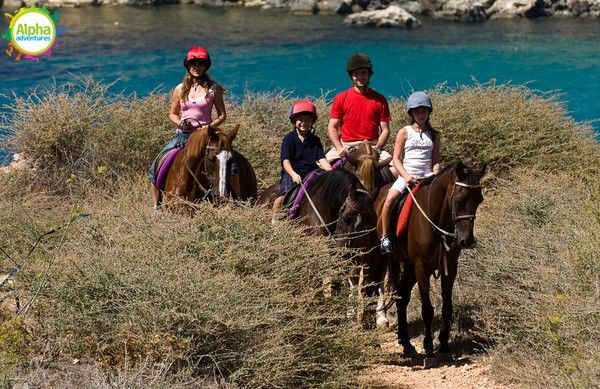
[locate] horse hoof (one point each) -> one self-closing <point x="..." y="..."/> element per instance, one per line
<point x="429" y="362"/>
<point x="409" y="351"/>
<point x="445" y="356"/>
<point x="382" y="323"/>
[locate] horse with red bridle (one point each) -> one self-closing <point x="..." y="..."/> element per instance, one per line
<point x="440" y="225"/>
<point x="208" y="168"/>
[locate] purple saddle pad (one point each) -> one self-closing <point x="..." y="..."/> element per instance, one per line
<point x="163" y="169"/>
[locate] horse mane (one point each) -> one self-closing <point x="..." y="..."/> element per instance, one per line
<point x="199" y="140"/>
<point x="333" y="185"/>
<point x="367" y="171"/>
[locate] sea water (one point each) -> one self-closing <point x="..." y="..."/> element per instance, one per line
<point x="253" y="50"/>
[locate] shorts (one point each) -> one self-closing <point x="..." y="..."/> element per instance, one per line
<point x="333" y="154"/>
<point x="399" y="185"/>
<point x="285" y="184"/>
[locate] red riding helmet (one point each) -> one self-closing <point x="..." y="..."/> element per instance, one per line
<point x="197" y="53"/>
<point x="303" y="106"/>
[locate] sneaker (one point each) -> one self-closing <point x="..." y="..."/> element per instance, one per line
<point x="385" y="245"/>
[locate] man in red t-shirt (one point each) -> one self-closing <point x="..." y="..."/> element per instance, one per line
<point x="358" y="113"/>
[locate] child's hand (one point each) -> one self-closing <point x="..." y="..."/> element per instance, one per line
<point x="409" y="180"/>
<point x="296" y="179"/>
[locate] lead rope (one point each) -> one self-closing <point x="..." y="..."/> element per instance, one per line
<point x="315" y="208"/>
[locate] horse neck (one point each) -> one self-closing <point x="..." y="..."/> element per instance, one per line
<point x="196" y="146"/>
<point x="435" y="199"/>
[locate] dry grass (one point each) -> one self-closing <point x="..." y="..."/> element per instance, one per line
<point x="218" y="295"/>
<point x="225" y="298"/>
<point x="533" y="283"/>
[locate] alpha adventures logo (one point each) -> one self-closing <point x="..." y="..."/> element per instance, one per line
<point x="32" y="33"/>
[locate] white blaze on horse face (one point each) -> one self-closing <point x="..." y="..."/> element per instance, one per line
<point x="223" y="157"/>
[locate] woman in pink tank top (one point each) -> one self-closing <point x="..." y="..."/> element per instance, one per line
<point x="192" y="106"/>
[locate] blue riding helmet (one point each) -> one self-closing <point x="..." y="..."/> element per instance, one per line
<point x="418" y="99"/>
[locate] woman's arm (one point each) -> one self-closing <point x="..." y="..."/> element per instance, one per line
<point x="220" y="107"/>
<point x="175" y="111"/>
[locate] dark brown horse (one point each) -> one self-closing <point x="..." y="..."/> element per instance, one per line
<point x="338" y="205"/>
<point x="449" y="200"/>
<point x="203" y="169"/>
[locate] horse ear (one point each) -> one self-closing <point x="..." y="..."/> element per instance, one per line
<point x="481" y="171"/>
<point x="231" y="135"/>
<point x="462" y="170"/>
<point x="368" y="147"/>
<point x="212" y="133"/>
<point x="384" y="162"/>
<point x="352" y="194"/>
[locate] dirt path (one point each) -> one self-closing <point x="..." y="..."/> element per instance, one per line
<point x="466" y="370"/>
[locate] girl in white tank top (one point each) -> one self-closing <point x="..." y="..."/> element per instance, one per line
<point x="416" y="155"/>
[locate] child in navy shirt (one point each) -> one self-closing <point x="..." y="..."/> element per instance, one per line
<point x="301" y="149"/>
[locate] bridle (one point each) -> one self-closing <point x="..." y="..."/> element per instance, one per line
<point x="455" y="218"/>
<point x="207" y="192"/>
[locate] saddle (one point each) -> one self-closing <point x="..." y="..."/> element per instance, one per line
<point x="400" y="212"/>
<point x="165" y="160"/>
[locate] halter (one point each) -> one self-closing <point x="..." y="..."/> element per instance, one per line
<point x="456" y="218"/>
<point x="209" y="191"/>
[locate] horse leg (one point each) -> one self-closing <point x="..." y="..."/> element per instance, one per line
<point x="447" y="285"/>
<point x="381" y="319"/>
<point x="426" y="311"/>
<point x="405" y="285"/>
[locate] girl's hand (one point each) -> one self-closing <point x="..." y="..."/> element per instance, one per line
<point x="296" y="179"/>
<point x="409" y="180"/>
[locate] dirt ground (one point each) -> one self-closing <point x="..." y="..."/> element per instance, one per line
<point x="467" y="369"/>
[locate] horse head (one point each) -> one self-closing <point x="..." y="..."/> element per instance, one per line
<point x="356" y="219"/>
<point x="465" y="197"/>
<point x="366" y="165"/>
<point x="213" y="151"/>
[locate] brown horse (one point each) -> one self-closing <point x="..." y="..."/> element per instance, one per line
<point x="364" y="162"/>
<point x="336" y="204"/>
<point x="203" y="169"/>
<point x="449" y="200"/>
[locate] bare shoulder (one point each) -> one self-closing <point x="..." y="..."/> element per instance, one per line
<point x="402" y="133"/>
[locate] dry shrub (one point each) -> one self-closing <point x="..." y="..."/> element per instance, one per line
<point x="68" y="131"/>
<point x="222" y="295"/>
<point x="509" y="126"/>
<point x="534" y="280"/>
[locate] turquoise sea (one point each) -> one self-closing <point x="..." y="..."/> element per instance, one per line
<point x="254" y="50"/>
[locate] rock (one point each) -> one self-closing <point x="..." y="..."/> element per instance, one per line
<point x="463" y="10"/>
<point x="303" y="7"/>
<point x="513" y="8"/>
<point x="18" y="163"/>
<point x="334" y="6"/>
<point x="393" y="16"/>
<point x="413" y="7"/>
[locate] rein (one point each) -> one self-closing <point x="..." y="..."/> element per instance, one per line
<point x="445" y="233"/>
<point x="209" y="191"/>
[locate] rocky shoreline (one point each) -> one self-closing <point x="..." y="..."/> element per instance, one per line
<point x="378" y="13"/>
